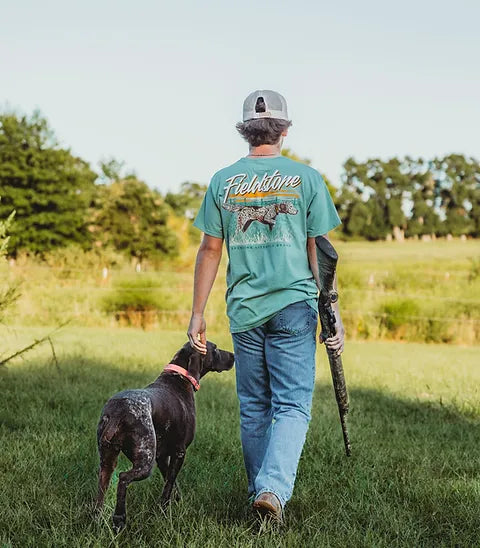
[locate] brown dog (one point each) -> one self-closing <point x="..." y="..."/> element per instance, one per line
<point x="156" y="423"/>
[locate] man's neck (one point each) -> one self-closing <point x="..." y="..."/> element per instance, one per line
<point x="265" y="150"/>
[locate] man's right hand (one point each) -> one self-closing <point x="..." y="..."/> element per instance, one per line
<point x="197" y="333"/>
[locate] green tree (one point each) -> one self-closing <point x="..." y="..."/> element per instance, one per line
<point x="474" y="197"/>
<point x="424" y="218"/>
<point x="288" y="153"/>
<point x="187" y="202"/>
<point x="362" y="207"/>
<point x="49" y="188"/>
<point x="4" y="238"/>
<point x="378" y="191"/>
<point x="359" y="218"/>
<point x="130" y="217"/>
<point x="457" y="181"/>
<point x="8" y="293"/>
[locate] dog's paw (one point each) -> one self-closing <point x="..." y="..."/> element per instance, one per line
<point x="119" y="522"/>
<point x="95" y="511"/>
<point x="176" y="494"/>
<point x="165" y="503"/>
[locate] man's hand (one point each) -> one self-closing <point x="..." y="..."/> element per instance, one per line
<point x="197" y="333"/>
<point x="206" y="266"/>
<point x="335" y="343"/>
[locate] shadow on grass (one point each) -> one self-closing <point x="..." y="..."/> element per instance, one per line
<point x="412" y="478"/>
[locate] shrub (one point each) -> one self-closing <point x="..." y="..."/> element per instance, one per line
<point x="8" y="293"/>
<point x="474" y="273"/>
<point x="71" y="260"/>
<point x="398" y="313"/>
<point x="136" y="300"/>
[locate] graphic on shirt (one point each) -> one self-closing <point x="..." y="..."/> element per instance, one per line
<point x="265" y="214"/>
<point x="260" y="224"/>
<point x="261" y="206"/>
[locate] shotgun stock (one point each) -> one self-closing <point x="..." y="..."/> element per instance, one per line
<point x="327" y="261"/>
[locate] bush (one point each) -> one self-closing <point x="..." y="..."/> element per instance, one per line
<point x="397" y="314"/>
<point x="72" y="258"/>
<point x="136" y="301"/>
<point x="474" y="273"/>
<point x="8" y="293"/>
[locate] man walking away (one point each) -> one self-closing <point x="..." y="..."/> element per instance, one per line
<point x="268" y="209"/>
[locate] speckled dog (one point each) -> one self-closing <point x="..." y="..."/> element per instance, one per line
<point x="156" y="423"/>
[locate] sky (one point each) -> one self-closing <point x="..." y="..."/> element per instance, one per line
<point x="160" y="85"/>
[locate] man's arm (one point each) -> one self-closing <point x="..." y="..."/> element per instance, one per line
<point x="334" y="343"/>
<point x="206" y="267"/>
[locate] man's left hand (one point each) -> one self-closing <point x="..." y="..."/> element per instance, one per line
<point x="336" y="343"/>
<point x="197" y="333"/>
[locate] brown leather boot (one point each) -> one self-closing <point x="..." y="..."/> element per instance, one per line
<point x="268" y="506"/>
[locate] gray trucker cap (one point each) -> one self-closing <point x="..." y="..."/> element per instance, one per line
<point x="265" y="103"/>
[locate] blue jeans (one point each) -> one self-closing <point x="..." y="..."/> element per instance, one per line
<point x="275" y="371"/>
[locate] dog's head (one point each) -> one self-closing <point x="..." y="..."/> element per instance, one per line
<point x="216" y="359"/>
<point x="287" y="207"/>
<point x="198" y="364"/>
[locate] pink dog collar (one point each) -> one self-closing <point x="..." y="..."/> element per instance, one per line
<point x="184" y="373"/>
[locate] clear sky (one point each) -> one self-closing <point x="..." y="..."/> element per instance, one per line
<point x="160" y="84"/>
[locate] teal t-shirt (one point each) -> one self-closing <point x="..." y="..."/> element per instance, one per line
<point x="265" y="208"/>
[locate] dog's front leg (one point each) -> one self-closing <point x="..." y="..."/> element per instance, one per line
<point x="163" y="462"/>
<point x="176" y="462"/>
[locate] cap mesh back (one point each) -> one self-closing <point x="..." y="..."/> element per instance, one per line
<point x="274" y="105"/>
<point x="273" y="102"/>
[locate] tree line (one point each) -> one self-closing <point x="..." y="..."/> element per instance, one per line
<point x="410" y="197"/>
<point x="60" y="200"/>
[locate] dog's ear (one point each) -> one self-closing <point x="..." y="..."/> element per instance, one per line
<point x="195" y="364"/>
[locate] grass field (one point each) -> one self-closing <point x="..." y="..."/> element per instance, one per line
<point x="413" y="479"/>
<point x="411" y="291"/>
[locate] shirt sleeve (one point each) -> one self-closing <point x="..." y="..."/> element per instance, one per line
<point x="321" y="213"/>
<point x="209" y="217"/>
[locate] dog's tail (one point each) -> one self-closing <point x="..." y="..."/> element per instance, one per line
<point x="110" y="428"/>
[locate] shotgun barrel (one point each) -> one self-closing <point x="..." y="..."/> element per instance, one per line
<point x="327" y="261"/>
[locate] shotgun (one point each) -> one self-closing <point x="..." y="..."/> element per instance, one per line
<point x="327" y="261"/>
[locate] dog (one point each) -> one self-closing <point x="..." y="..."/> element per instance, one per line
<point x="156" y="423"/>
<point x="266" y="215"/>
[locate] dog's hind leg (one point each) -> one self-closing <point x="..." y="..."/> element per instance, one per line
<point x="108" y="461"/>
<point x="176" y="461"/>
<point x="142" y="456"/>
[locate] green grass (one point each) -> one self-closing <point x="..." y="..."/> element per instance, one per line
<point x="436" y="284"/>
<point x="413" y="478"/>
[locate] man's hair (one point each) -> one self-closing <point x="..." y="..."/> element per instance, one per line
<point x="262" y="131"/>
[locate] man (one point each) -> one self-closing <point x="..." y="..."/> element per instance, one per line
<point x="268" y="209"/>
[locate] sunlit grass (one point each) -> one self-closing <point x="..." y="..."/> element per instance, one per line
<point x="380" y="284"/>
<point x="412" y="479"/>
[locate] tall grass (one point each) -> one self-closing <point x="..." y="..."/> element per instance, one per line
<point x="412" y="479"/>
<point x="413" y="291"/>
